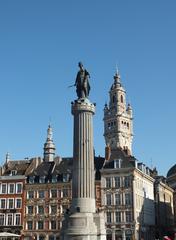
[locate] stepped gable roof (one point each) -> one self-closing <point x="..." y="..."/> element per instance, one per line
<point x="43" y="169"/>
<point x="63" y="166"/>
<point x="127" y="160"/>
<point x="98" y="162"/>
<point x="172" y="171"/>
<point x="19" y="166"/>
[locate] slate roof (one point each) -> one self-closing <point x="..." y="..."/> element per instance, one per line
<point x="127" y="160"/>
<point x="19" y="166"/>
<point x="44" y="169"/>
<point x="59" y="167"/>
<point x="172" y="171"/>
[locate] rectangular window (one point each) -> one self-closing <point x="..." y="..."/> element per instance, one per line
<point x="3" y="203"/>
<point x="108" y="199"/>
<point x="40" y="209"/>
<point x="117" y="199"/>
<point x="117" y="182"/>
<point x="41" y="194"/>
<point x="40" y="224"/>
<point x="53" y="225"/>
<point x="127" y="199"/>
<point x="53" y="209"/>
<point x="42" y="180"/>
<point x="29" y="225"/>
<point x="65" y="192"/>
<point x="53" y="193"/>
<point x="10" y="203"/>
<point x="9" y="219"/>
<point x="17" y="219"/>
<point x="2" y="219"/>
<point x="127" y="181"/>
<point x="4" y="188"/>
<point x="108" y="217"/>
<point x="65" y="177"/>
<point x="18" y="202"/>
<point x="108" y="182"/>
<point x="117" y="163"/>
<point x="128" y="216"/>
<point x="30" y="209"/>
<point x="30" y="194"/>
<point x="54" y="179"/>
<point x="11" y="188"/>
<point x="118" y="217"/>
<point x="19" y="188"/>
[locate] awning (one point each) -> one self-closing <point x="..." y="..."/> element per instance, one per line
<point x="6" y="234"/>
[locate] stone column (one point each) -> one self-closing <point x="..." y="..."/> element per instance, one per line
<point x="83" y="179"/>
<point x="81" y="222"/>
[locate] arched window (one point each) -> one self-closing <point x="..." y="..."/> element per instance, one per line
<point x="121" y="99"/>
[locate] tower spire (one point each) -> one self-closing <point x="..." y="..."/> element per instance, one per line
<point x="49" y="146"/>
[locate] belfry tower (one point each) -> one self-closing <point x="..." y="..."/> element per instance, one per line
<point x="118" y="119"/>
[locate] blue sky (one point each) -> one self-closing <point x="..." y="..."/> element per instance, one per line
<point x="41" y="42"/>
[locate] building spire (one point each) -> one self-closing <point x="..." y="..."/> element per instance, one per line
<point x="49" y="146"/>
<point x="7" y="157"/>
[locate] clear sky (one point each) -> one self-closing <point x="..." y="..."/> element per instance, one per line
<point x="41" y="42"/>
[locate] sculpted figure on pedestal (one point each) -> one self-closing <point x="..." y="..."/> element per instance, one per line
<point x="82" y="82"/>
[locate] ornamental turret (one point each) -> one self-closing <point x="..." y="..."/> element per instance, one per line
<point x="118" y="120"/>
<point x="49" y="146"/>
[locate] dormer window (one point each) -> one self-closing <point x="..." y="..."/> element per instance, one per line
<point x="54" y="179"/>
<point x="42" y="179"/>
<point x="31" y="179"/>
<point x="117" y="163"/>
<point x="65" y="177"/>
<point x="13" y="172"/>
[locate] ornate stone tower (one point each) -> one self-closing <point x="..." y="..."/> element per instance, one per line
<point x="118" y="119"/>
<point x="49" y="146"/>
<point x="82" y="222"/>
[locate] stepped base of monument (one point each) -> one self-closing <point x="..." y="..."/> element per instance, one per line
<point x="83" y="226"/>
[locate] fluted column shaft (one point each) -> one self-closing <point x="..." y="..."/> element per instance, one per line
<point x="83" y="192"/>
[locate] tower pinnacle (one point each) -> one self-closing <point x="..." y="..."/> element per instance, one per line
<point x="49" y="146"/>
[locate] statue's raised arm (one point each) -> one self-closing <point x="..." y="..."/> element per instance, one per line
<point x="82" y="82"/>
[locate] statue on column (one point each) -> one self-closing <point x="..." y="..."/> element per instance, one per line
<point x="82" y="82"/>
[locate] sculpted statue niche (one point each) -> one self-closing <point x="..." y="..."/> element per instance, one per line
<point x="82" y="82"/>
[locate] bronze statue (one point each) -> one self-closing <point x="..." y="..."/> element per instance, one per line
<point x="82" y="82"/>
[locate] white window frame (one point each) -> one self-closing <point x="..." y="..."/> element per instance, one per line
<point x="107" y="199"/>
<point x="16" y="203"/>
<point x="15" y="219"/>
<point x="6" y="188"/>
<point x="4" y="223"/>
<point x="116" y="216"/>
<point x="8" y="203"/>
<point x="40" y="191"/>
<point x="7" y="218"/>
<point x="5" y="203"/>
<point x="38" y="225"/>
<point x="110" y="215"/>
<point x="9" y="188"/>
<point x="38" y="209"/>
<point x="27" y="225"/>
<point x="21" y="187"/>
<point x="117" y="163"/>
<point x="50" y="224"/>
<point x="28" y="194"/>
